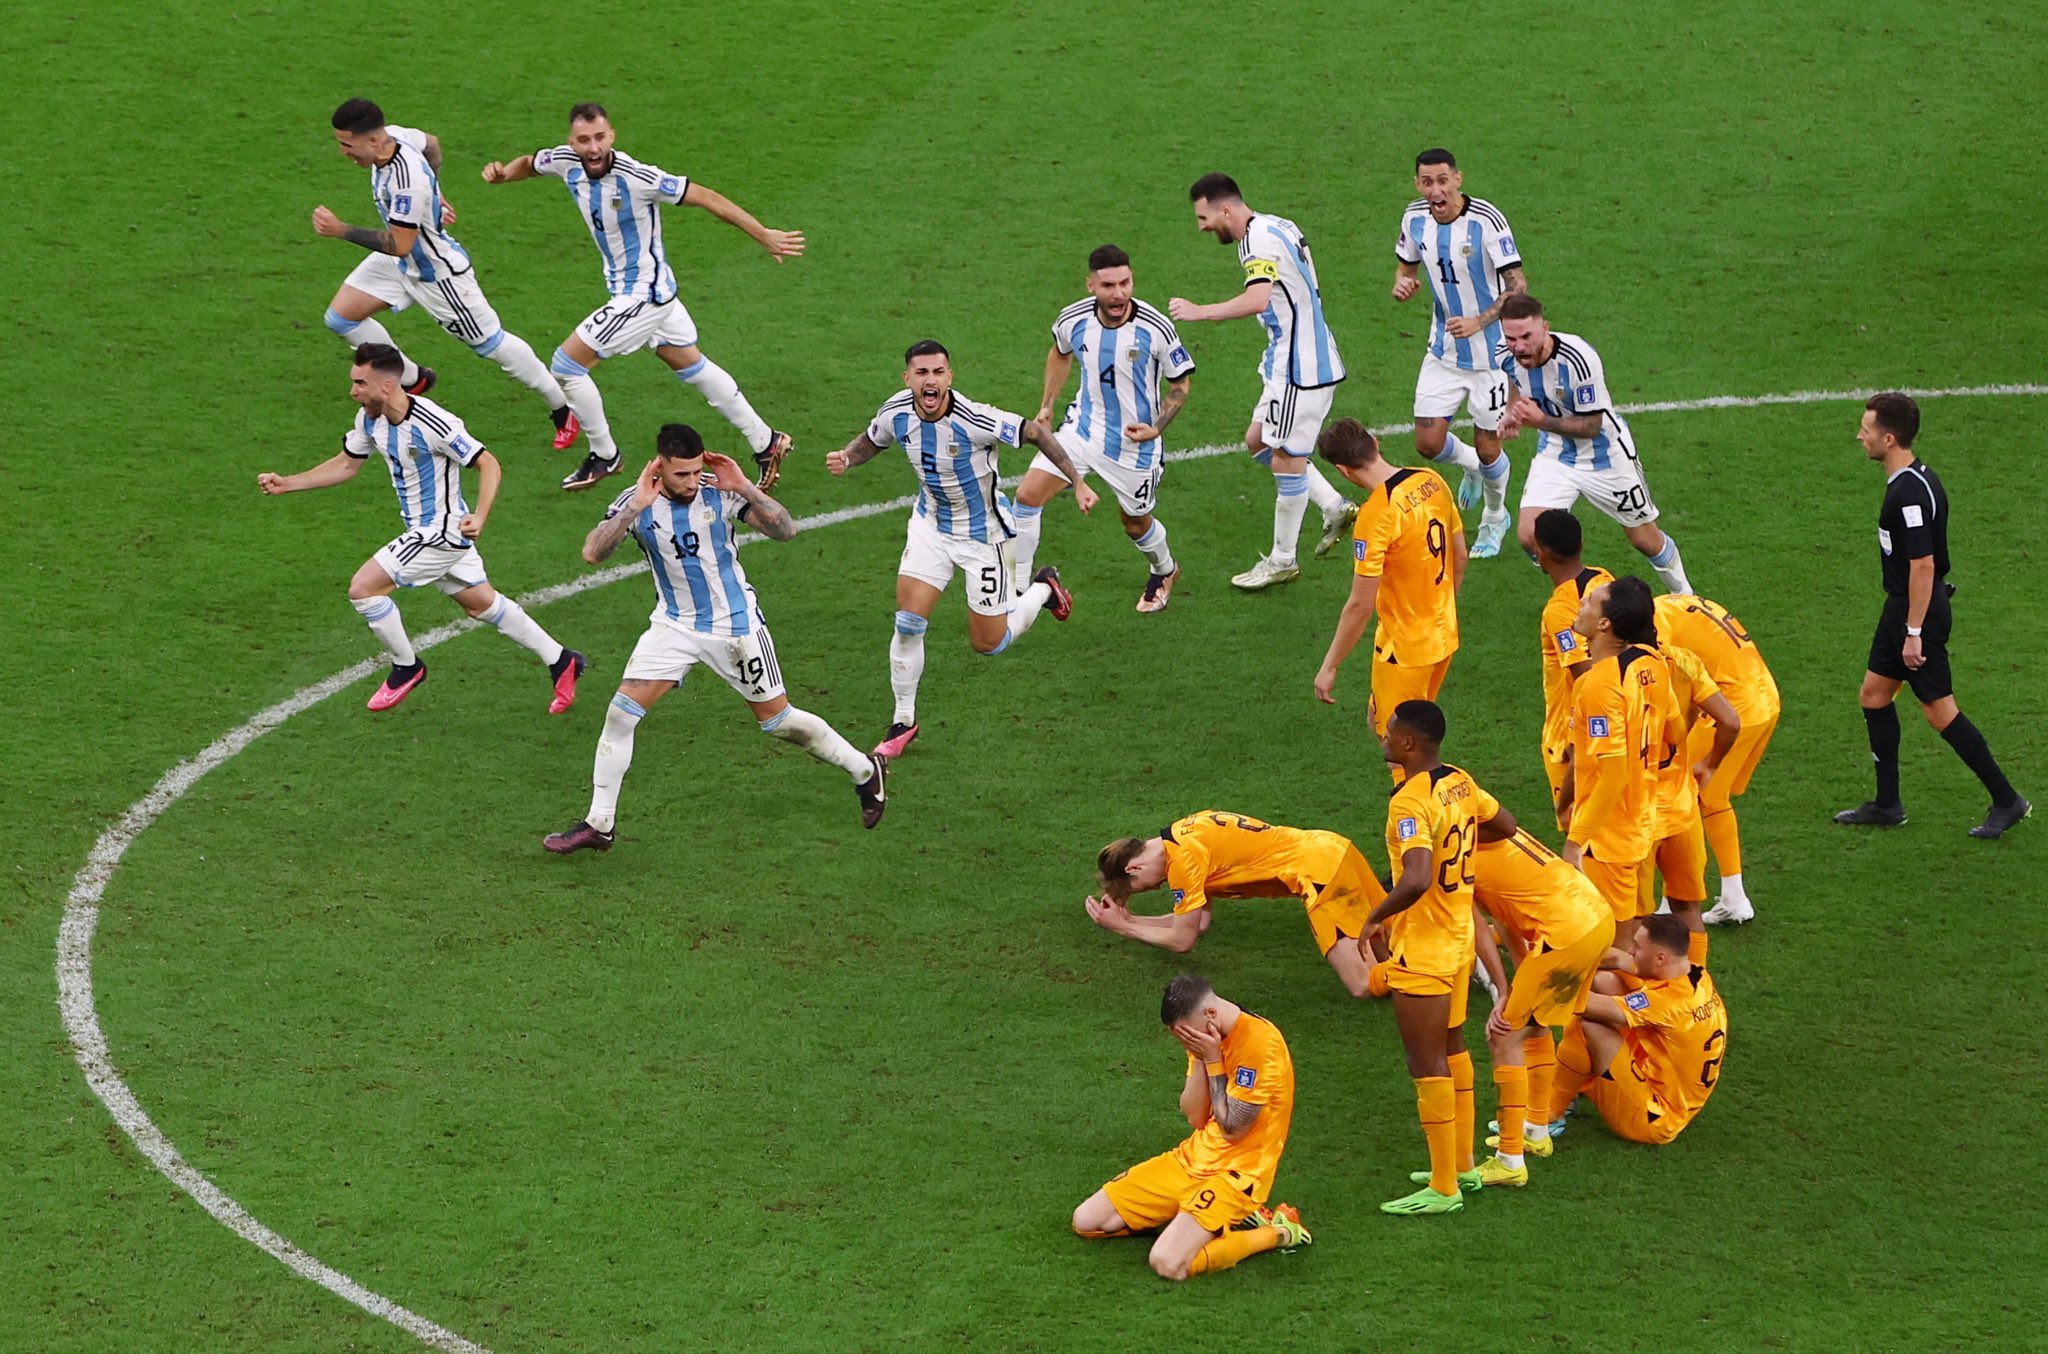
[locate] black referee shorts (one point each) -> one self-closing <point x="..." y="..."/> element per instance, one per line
<point x="1931" y="680"/>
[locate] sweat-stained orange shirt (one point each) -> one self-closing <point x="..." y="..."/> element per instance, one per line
<point x="1403" y="538"/>
<point x="1562" y="647"/>
<point x="1260" y="1071"/>
<point x="1612" y="736"/>
<point x="1725" y="647"/>
<point x="1214" y="854"/>
<point x="1439" y="811"/>
<point x="1527" y="888"/>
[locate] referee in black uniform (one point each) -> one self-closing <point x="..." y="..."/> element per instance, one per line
<point x="1911" y="644"/>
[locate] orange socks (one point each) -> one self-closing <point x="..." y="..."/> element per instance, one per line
<point x="1539" y="1053"/>
<point x="1511" y="1086"/>
<point x="1466" y="1107"/>
<point x="1436" y="1104"/>
<point x="1726" y="841"/>
<point x="1696" y="949"/>
<point x="1574" y="1070"/>
<point x="1231" y="1247"/>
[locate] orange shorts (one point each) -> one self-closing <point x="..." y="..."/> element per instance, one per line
<point x="1416" y="983"/>
<point x="1393" y="683"/>
<point x="1682" y="859"/>
<point x="1340" y="907"/>
<point x="1624" y="1101"/>
<point x="1617" y="884"/>
<point x="1550" y="987"/>
<point x="1733" y="777"/>
<point x="1154" y="1192"/>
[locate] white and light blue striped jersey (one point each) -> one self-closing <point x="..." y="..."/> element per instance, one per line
<point x="691" y="550"/>
<point x="1465" y="258"/>
<point x="407" y="193"/>
<point x="425" y="452"/>
<point x="1572" y="382"/>
<point x="622" y="208"/>
<point x="955" y="459"/>
<point x="1120" y="373"/>
<point x="1300" y="349"/>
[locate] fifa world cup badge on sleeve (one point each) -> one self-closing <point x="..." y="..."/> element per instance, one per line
<point x="1405" y="829"/>
<point x="1245" y="1077"/>
<point x="1567" y="640"/>
<point x="669" y="186"/>
<point x="1637" y="1001"/>
<point x="1583" y="395"/>
<point x="1179" y="895"/>
<point x="1596" y="727"/>
<point x="1358" y="550"/>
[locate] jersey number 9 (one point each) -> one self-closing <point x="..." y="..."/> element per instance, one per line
<point x="1439" y="547"/>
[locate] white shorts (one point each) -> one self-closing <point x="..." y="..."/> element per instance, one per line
<point x="1620" y="491"/>
<point x="623" y="325"/>
<point x="456" y="303"/>
<point x="667" y="652"/>
<point x="1442" y="386"/>
<point x="930" y="556"/>
<point x="418" y="558"/>
<point x="1290" y="417"/>
<point x="1136" y="490"/>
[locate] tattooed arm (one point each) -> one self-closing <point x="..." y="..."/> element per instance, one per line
<point x="1234" y="1117"/>
<point x="1041" y="436"/>
<point x="1169" y="409"/>
<point x="857" y="452"/>
<point x="606" y="535"/>
<point x="761" y="512"/>
<point x="395" y="240"/>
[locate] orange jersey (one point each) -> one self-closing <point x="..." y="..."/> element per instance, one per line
<point x="1677" y="1034"/>
<point x="1440" y="812"/>
<point x="1725" y="647"/>
<point x="1679" y="700"/>
<point x="1527" y="888"/>
<point x="1563" y="647"/>
<point x="1259" y="1071"/>
<point x="1612" y="736"/>
<point x="1403" y="538"/>
<point x="1213" y="854"/>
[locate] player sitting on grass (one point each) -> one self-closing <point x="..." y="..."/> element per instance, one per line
<point x="1207" y="1196"/>
<point x="1227" y="855"/>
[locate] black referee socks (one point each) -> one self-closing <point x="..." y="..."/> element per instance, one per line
<point x="1883" y="726"/>
<point x="1969" y="744"/>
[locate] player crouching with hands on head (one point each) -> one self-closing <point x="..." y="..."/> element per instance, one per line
<point x="1207" y="1197"/>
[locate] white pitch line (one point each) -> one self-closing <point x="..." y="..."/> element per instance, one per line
<point x="82" y="905"/>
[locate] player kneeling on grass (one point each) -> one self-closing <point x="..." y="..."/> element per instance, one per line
<point x="425" y="448"/>
<point x="1227" y="855"/>
<point x="1647" y="1049"/>
<point x="704" y="612"/>
<point x="1207" y="1197"/>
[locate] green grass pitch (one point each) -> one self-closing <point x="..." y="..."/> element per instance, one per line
<point x="756" y="1079"/>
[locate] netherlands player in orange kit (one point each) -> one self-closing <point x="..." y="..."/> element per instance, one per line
<point x="1559" y="544"/>
<point x="1647" y="1049"/>
<point x="1214" y="854"/>
<point x="1738" y="668"/>
<point x="1207" y="1197"/>
<point x="1679" y="853"/>
<point x="1558" y="928"/>
<point x="1408" y="562"/>
<point x="1609" y="800"/>
<point x="1434" y="822"/>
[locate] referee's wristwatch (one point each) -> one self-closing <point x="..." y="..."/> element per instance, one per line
<point x="1913" y="631"/>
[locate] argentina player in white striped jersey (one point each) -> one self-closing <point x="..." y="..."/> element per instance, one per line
<point x="1466" y="247"/>
<point x="1113" y="426"/>
<point x="414" y="260"/>
<point x="619" y="199"/>
<point x="425" y="448"/>
<point x="684" y="513"/>
<point x="1583" y="444"/>
<point x="961" y="520"/>
<point x="1300" y="369"/>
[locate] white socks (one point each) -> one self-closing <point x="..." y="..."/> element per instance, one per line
<point x="357" y="332"/>
<point x="1152" y="545"/>
<point x="1670" y="567"/>
<point x="1493" y="484"/>
<point x="1289" y="507"/>
<point x="511" y="621"/>
<point x="1457" y="452"/>
<point x="722" y="393"/>
<point x="516" y="356"/>
<point x="1731" y="888"/>
<point x="1024" y="613"/>
<point x="385" y="623"/>
<point x="906" y="663"/>
<point x="1024" y="548"/>
<point x="614" y="755"/>
<point x="821" y="740"/>
<point x="580" y="393"/>
<point x="1321" y="492"/>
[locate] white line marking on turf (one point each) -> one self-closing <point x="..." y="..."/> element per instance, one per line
<point x="82" y="906"/>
